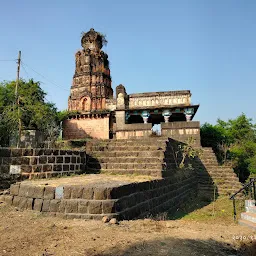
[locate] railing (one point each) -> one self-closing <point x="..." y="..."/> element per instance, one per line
<point x="252" y="193"/>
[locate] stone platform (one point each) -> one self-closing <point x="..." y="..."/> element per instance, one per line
<point x="95" y="196"/>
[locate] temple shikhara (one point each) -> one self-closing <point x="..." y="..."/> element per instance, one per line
<point x="98" y="114"/>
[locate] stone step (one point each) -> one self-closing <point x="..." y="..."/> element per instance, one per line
<point x="126" y="148"/>
<point x="128" y="142"/>
<point x="152" y="172"/>
<point x="221" y="183"/>
<point x="218" y="178"/>
<point x="220" y="190"/>
<point x="249" y="203"/>
<point x="126" y="160"/>
<point x="126" y="166"/>
<point x="247" y="223"/>
<point x="248" y="216"/>
<point x="142" y="153"/>
<point x="103" y="159"/>
<point x="251" y="209"/>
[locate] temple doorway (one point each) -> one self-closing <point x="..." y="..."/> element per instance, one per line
<point x="156" y="120"/>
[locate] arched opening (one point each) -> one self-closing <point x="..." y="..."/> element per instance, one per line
<point x="86" y="104"/>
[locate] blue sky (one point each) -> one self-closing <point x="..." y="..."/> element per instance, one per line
<point x="208" y="47"/>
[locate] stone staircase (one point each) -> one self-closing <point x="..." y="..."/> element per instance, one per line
<point x="134" y="156"/>
<point x="248" y="218"/>
<point x="154" y="157"/>
<point x="223" y="177"/>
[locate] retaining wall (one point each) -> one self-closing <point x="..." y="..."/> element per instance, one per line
<point x="16" y="164"/>
<point x="95" y="201"/>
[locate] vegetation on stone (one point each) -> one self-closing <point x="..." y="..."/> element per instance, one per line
<point x="233" y="141"/>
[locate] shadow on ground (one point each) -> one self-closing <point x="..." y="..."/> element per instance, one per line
<point x="181" y="247"/>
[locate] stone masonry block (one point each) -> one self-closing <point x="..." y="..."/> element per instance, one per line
<point x="25" y="160"/>
<point x="42" y="159"/>
<point x="46" y="205"/>
<point x="100" y="193"/>
<point x="59" y="159"/>
<point x="88" y="193"/>
<point x="57" y="168"/>
<point x="34" y="160"/>
<point x="108" y="206"/>
<point x="95" y="207"/>
<point x="38" y="192"/>
<point x="83" y="206"/>
<point x="67" y="159"/>
<point x="26" y="168"/>
<point x="48" y="152"/>
<point x="6" y="160"/>
<point x="65" y="168"/>
<point x="67" y="192"/>
<point x="77" y="192"/>
<point x="27" y="152"/>
<point x="71" y="206"/>
<point x="16" y="160"/>
<point x="30" y="191"/>
<point x="16" y="201"/>
<point x="38" y="203"/>
<point x="54" y="205"/>
<point x="47" y="168"/>
<point x="62" y="206"/>
<point x="8" y="199"/>
<point x="16" y="152"/>
<point x="14" y="189"/>
<point x="51" y="159"/>
<point x="29" y="203"/>
<point x="23" y="203"/>
<point x="49" y="192"/>
<point x="23" y="191"/>
<point x="5" y="152"/>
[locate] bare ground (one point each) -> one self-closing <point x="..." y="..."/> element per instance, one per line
<point x="31" y="233"/>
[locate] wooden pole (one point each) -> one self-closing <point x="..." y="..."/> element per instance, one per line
<point x="17" y="96"/>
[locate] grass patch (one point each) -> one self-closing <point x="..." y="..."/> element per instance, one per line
<point x="221" y="209"/>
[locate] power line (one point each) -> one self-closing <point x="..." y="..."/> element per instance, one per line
<point x="45" y="77"/>
<point x="24" y="70"/>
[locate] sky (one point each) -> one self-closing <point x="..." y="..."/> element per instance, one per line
<point x="207" y="47"/>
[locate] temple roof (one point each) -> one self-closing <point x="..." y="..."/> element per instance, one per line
<point x="166" y="93"/>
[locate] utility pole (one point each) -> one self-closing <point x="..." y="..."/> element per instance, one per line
<point x="17" y="96"/>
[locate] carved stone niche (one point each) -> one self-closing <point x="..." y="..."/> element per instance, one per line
<point x="85" y="104"/>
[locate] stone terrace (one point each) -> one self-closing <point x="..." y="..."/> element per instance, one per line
<point x="95" y="196"/>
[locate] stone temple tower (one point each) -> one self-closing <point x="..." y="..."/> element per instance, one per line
<point x="91" y="82"/>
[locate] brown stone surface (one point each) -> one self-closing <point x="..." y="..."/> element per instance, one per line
<point x="38" y="203"/>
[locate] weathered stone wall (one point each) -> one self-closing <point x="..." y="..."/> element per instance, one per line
<point x="134" y="130"/>
<point x="16" y="164"/>
<point x="93" y="202"/>
<point x="182" y="131"/>
<point x="157" y="99"/>
<point x="95" y="127"/>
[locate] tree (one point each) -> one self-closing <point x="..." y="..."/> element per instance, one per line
<point x="33" y="111"/>
<point x="234" y="140"/>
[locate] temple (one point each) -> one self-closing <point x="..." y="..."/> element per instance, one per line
<point x="97" y="114"/>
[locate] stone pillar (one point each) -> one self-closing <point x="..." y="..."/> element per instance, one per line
<point x="188" y="112"/>
<point x="188" y="117"/>
<point x="145" y="115"/>
<point x="166" y="114"/>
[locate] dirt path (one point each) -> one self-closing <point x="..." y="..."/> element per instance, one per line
<point x="30" y="233"/>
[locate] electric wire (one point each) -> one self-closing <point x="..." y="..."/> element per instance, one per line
<point x="44" y="77"/>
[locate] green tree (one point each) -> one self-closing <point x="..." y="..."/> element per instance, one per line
<point x="33" y="112"/>
<point x="234" y="140"/>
